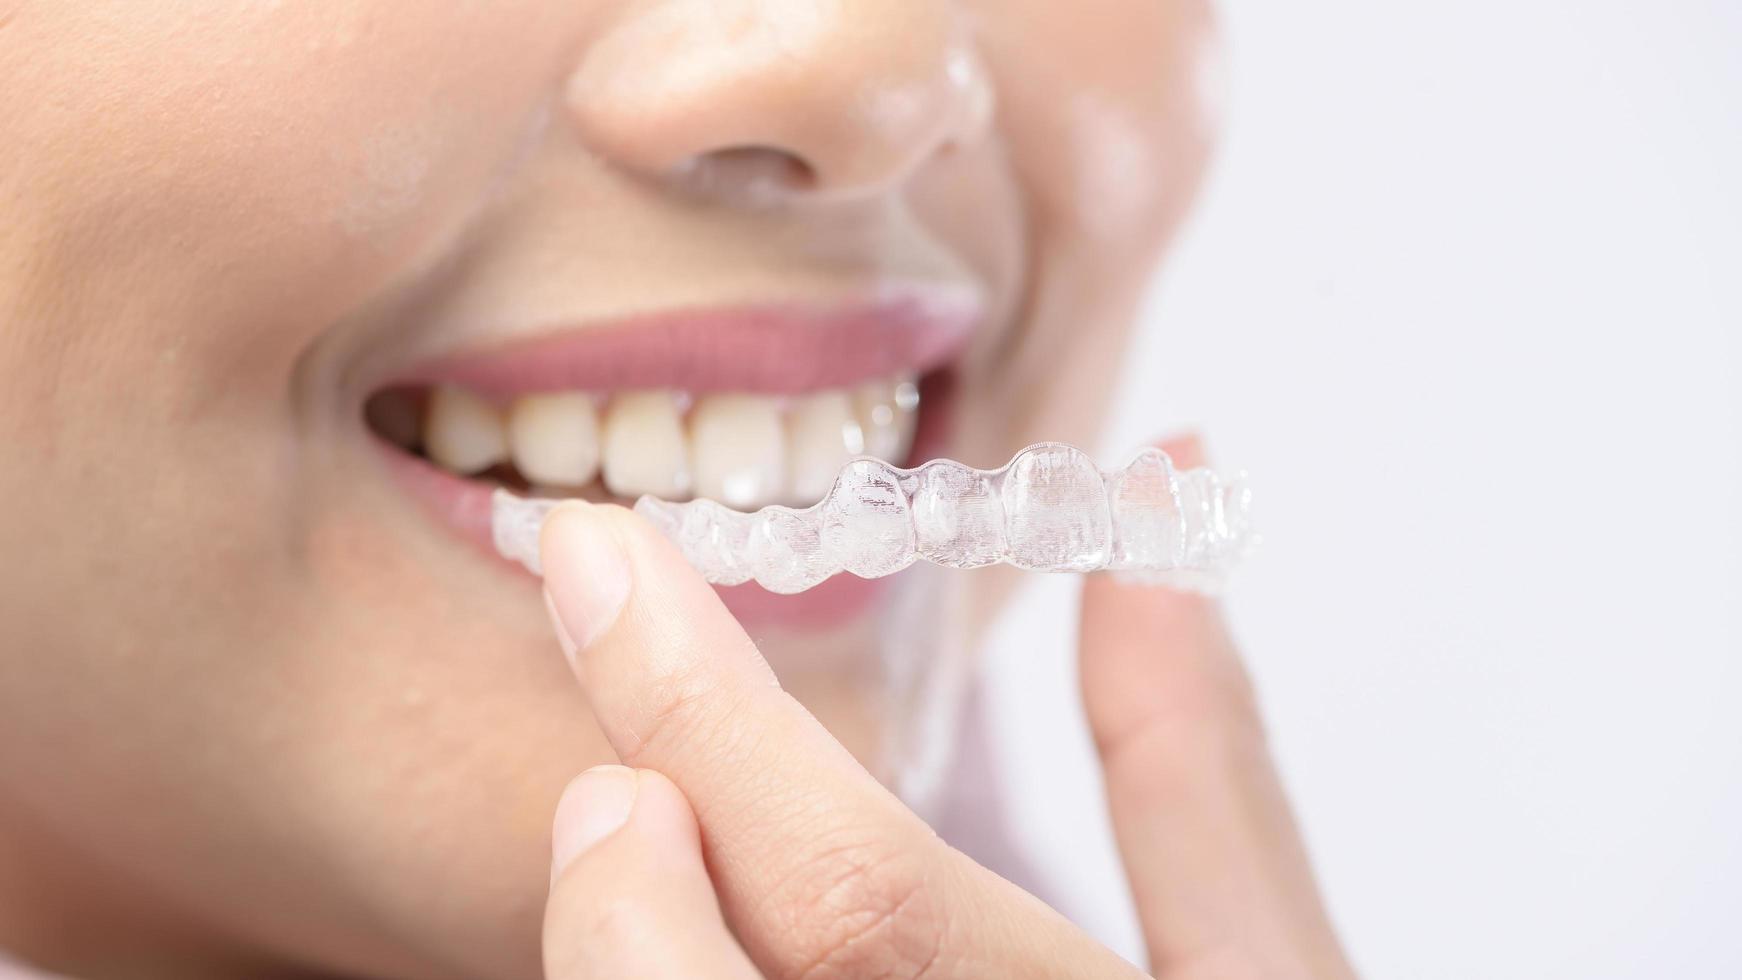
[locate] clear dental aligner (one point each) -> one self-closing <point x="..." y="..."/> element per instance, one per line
<point x="1049" y="510"/>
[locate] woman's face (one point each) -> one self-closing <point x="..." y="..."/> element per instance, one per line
<point x="258" y="659"/>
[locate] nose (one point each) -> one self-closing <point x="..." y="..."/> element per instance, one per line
<point x="780" y="97"/>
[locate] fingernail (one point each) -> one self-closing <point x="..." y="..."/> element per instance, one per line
<point x="594" y="806"/>
<point x="586" y="576"/>
<point x="563" y="638"/>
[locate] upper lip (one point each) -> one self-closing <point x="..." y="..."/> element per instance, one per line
<point x="774" y="348"/>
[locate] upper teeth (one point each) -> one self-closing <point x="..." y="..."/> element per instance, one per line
<point x="554" y="439"/>
<point x="822" y="432"/>
<point x="463" y="432"/>
<point x="742" y="450"/>
<point x="645" y="450"/>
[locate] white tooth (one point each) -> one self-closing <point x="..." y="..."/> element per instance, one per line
<point x="554" y="438"/>
<point x="644" y="449"/>
<point x="887" y="412"/>
<point x="739" y="448"/>
<point x="822" y="433"/>
<point x="463" y="432"/>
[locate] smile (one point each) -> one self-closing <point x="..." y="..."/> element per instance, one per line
<point x="747" y="407"/>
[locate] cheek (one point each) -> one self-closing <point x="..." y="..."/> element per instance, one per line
<point x="1105" y="103"/>
<point x="234" y="177"/>
<point x="1104" y="108"/>
<point x="971" y="201"/>
<point x="193" y="193"/>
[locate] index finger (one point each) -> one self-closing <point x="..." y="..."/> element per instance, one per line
<point x="1219" y="874"/>
<point x="820" y="870"/>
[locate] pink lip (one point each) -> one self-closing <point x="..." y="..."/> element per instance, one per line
<point x="769" y="349"/>
<point x="761" y="349"/>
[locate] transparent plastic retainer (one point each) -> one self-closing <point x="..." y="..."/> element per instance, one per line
<point x="1049" y="510"/>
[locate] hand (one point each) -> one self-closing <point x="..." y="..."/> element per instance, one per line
<point x="740" y="840"/>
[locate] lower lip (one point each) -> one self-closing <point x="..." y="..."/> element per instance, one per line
<point x="464" y="505"/>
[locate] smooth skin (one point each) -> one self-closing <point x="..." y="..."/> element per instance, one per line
<point x="740" y="839"/>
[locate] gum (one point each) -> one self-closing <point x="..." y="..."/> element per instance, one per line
<point x="1049" y="510"/>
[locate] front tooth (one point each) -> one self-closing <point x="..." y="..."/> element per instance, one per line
<point x="463" y="432"/>
<point x="822" y="432"/>
<point x="644" y="449"/>
<point x="739" y="448"/>
<point x="554" y="438"/>
<point x="887" y="411"/>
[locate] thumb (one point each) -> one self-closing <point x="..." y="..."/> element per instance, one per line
<point x="630" y="895"/>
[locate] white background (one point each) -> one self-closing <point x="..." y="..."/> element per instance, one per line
<point x="1465" y="297"/>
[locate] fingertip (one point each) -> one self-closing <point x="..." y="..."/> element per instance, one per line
<point x="630" y="893"/>
<point x="1186" y="449"/>
<point x="1124" y="594"/>
<point x="1145" y="644"/>
<point x="595" y="805"/>
<point x="664" y="813"/>
<point x="586" y="574"/>
<point x="1120" y="610"/>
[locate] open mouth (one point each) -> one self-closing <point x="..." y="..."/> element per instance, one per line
<point x="747" y="407"/>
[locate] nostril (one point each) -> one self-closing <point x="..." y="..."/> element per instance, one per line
<point x="753" y="174"/>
